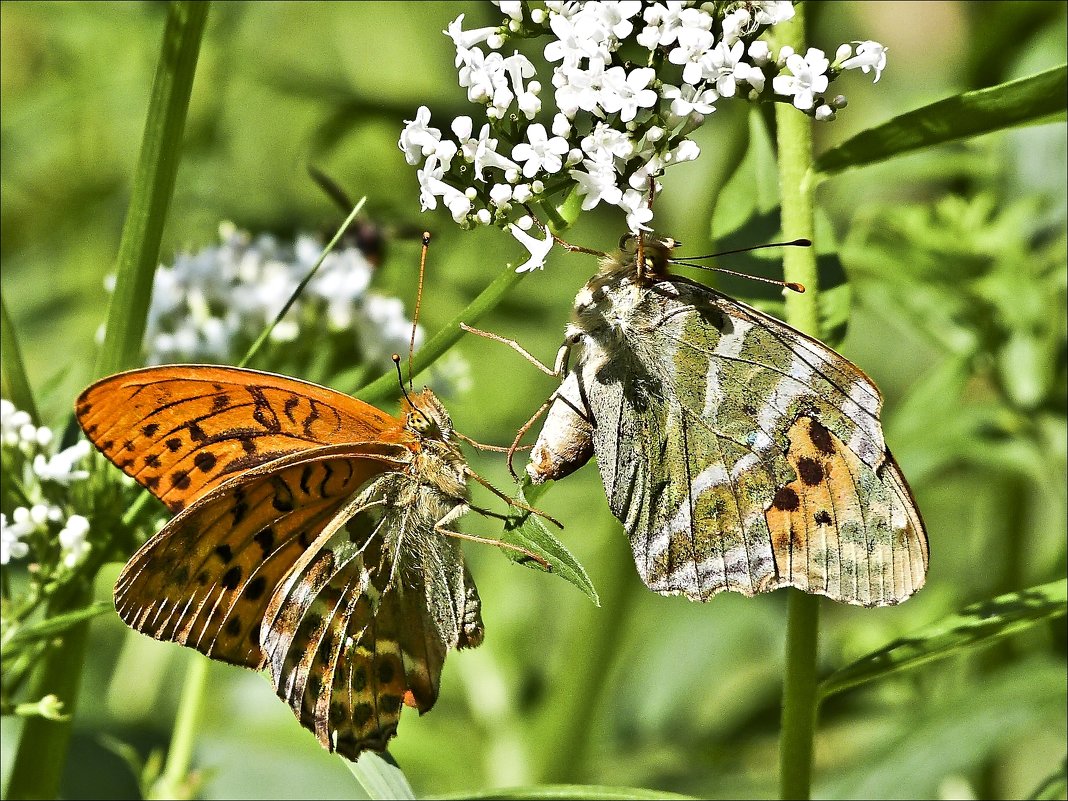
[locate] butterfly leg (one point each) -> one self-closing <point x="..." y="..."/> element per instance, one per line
<point x="441" y="527"/>
<point x="511" y="501"/>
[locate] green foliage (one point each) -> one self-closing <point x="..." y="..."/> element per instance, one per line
<point x="940" y="237"/>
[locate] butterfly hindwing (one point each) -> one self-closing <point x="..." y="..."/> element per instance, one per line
<point x="206" y="579"/>
<point x="181" y="430"/>
<point x="371" y="617"/>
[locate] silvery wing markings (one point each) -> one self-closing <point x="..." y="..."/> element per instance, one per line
<point x="738" y="453"/>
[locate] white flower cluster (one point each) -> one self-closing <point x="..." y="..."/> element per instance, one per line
<point x="43" y="478"/>
<point x="212" y="304"/>
<point x="631" y="80"/>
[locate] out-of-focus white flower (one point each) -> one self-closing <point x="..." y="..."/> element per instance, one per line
<point x="73" y="540"/>
<point x="11" y="534"/>
<point x="61" y="467"/>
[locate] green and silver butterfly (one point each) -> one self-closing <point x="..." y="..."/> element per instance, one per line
<point x="738" y="453"/>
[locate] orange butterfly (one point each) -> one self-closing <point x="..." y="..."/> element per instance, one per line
<point x="311" y="538"/>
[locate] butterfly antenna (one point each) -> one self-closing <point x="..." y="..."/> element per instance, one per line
<point x="687" y="261"/>
<point x="418" y="304"/>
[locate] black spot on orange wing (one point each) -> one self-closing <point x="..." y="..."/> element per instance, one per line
<point x="224" y="552"/>
<point x="152" y="460"/>
<point x="265" y="539"/>
<point x="822" y="518"/>
<point x="821" y="437"/>
<point x="173" y="444"/>
<point x="810" y="470"/>
<point x="254" y="589"/>
<point x="231" y="578"/>
<point x="180" y="479"/>
<point x="786" y="500"/>
<point x="233" y="626"/>
<point x="205" y="461"/>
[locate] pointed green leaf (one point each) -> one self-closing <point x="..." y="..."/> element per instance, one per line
<point x="380" y="776"/>
<point x="54" y="626"/>
<point x="528" y="531"/>
<point x="16" y="386"/>
<point x="1022" y="102"/>
<point x="977" y="624"/>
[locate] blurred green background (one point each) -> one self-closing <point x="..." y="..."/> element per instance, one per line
<point x="956" y="261"/>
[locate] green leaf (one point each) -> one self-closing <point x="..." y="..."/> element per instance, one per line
<point x="527" y="531"/>
<point x="594" y="791"/>
<point x="380" y="776"/>
<point x="1008" y="105"/>
<point x="977" y="624"/>
<point x="753" y="188"/>
<point x="54" y="626"/>
<point x="16" y="385"/>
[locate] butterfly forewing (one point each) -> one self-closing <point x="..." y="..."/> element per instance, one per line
<point x="181" y="430"/>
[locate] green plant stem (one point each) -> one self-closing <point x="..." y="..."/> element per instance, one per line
<point x="42" y="748"/>
<point x="153" y="186"/>
<point x="174" y="781"/>
<point x="386" y="384"/>
<point x="571" y="710"/>
<point x="800" y="700"/>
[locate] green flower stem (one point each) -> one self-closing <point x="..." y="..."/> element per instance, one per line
<point x="385" y="386"/>
<point x="153" y="186"/>
<point x="42" y="748"/>
<point x="799" y="704"/>
<point x="570" y="714"/>
<point x="174" y="781"/>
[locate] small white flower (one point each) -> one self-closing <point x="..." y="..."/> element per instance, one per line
<point x="486" y="155"/>
<point x="720" y="65"/>
<point x="579" y="88"/>
<point x="72" y="540"/>
<point x="511" y="8"/>
<point x="540" y="152"/>
<point x="759" y="52"/>
<point x="870" y="56"/>
<point x="418" y="139"/>
<point x="694" y="40"/>
<point x="597" y="183"/>
<point x="11" y="544"/>
<point x="625" y="92"/>
<point x="824" y="112"/>
<point x="687" y="99"/>
<point x="772" y="12"/>
<point x="464" y="40"/>
<point x="808" y="78"/>
<point x="538" y="248"/>
<point x="636" y="204"/>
